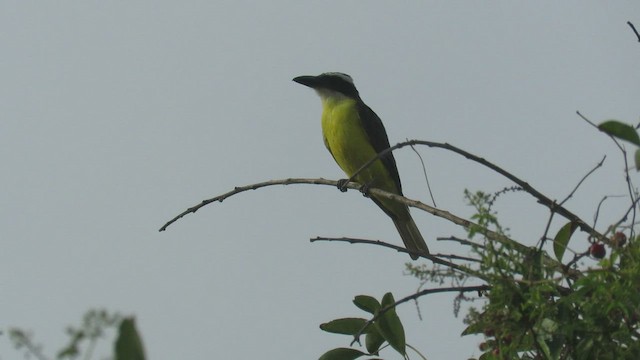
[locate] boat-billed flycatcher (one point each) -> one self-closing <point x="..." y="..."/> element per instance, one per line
<point x="354" y="134"/>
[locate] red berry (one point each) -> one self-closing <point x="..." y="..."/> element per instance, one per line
<point x="597" y="250"/>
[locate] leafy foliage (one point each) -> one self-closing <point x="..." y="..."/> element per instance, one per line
<point x="384" y="327"/>
<point x="620" y="130"/>
<point x="533" y="311"/>
<point x="82" y="340"/>
<point x="537" y="306"/>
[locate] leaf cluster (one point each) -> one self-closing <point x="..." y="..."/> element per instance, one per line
<point x="383" y="329"/>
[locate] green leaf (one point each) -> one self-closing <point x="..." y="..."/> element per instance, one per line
<point x="128" y="344"/>
<point x="390" y="326"/>
<point x="347" y="326"/>
<point x="562" y="239"/>
<point x="342" y="354"/>
<point x="637" y="160"/>
<point x="621" y="131"/>
<point x="473" y="328"/>
<point x="367" y="303"/>
<point x="373" y="341"/>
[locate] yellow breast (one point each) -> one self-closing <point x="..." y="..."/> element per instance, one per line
<point x="347" y="140"/>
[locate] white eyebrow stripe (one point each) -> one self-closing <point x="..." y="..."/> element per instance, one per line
<point x="343" y="76"/>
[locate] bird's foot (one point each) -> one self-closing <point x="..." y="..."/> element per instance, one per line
<point x="364" y="189"/>
<point x="342" y="184"/>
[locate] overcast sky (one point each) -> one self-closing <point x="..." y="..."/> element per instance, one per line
<point x="116" y="116"/>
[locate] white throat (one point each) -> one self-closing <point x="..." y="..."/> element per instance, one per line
<point x="327" y="94"/>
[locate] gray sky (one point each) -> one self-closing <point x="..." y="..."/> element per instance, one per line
<point x="116" y="116"/>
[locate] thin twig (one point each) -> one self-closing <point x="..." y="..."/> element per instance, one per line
<point x="457" y="257"/>
<point x="628" y="181"/>
<point x="382" y="311"/>
<point x="546" y="230"/>
<point x="460" y="240"/>
<point x="544" y="236"/>
<point x="576" y="258"/>
<point x="630" y="187"/>
<point x="634" y="30"/>
<point x="239" y="189"/>
<point x="597" y="214"/>
<point x="434" y="258"/>
<point x="598" y="165"/>
<point x="426" y="178"/>
<point x="623" y="219"/>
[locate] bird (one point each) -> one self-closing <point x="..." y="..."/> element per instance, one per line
<point x="354" y="135"/>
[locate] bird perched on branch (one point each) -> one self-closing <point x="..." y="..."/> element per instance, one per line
<point x="354" y="135"/>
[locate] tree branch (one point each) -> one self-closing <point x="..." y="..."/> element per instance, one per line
<point x="542" y="199"/>
<point x="492" y="235"/>
<point x="630" y="187"/>
<point x="598" y="165"/>
<point x="460" y="240"/>
<point x="634" y="30"/>
<point x="434" y="258"/>
<point x="489" y="234"/>
<point x="382" y="311"/>
<point x="552" y="213"/>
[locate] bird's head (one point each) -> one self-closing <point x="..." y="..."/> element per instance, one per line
<point x="330" y="85"/>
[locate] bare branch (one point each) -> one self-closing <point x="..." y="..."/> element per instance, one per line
<point x="542" y="199"/>
<point x="595" y="216"/>
<point x="634" y="30"/>
<point x="544" y="236"/>
<point x="460" y="240"/>
<point x="239" y="189"/>
<point x="426" y="178"/>
<point x="630" y="187"/>
<point x="434" y="258"/>
<point x="492" y="235"/>
<point x="598" y="165"/>
<point x="588" y="121"/>
<point x="457" y="257"/>
<point x="623" y="219"/>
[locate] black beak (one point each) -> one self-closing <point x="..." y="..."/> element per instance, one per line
<point x="307" y="80"/>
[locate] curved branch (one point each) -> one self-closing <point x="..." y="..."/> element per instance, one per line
<point x="433" y="257"/>
<point x="492" y="235"/>
<point x="542" y="199"/>
<point x="489" y="234"/>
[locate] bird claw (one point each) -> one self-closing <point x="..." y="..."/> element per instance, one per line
<point x="342" y="184"/>
<point x="364" y="189"/>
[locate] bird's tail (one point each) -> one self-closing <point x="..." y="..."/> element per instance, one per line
<point x="411" y="237"/>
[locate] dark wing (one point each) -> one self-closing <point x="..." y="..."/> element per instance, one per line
<point x="378" y="138"/>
